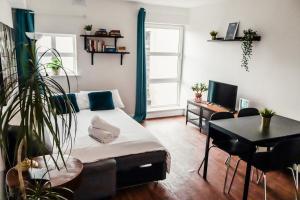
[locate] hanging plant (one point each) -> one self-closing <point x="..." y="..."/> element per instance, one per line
<point x="247" y="46"/>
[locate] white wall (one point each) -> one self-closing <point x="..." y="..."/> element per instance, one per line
<point x="5" y="13"/>
<point x="18" y="3"/>
<point x="58" y="16"/>
<point x="273" y="80"/>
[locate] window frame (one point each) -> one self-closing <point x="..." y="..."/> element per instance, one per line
<point x="62" y="54"/>
<point x="179" y="54"/>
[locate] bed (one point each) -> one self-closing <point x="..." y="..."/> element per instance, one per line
<point x="135" y="157"/>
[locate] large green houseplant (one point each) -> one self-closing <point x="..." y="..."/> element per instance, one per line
<point x="28" y="103"/>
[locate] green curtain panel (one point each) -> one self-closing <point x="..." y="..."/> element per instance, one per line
<point x="141" y="96"/>
<point x="23" y="22"/>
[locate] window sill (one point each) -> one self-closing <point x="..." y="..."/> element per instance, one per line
<point x="71" y="75"/>
<point x="165" y="112"/>
<point x="165" y="108"/>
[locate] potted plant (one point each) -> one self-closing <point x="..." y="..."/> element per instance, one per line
<point x="88" y="29"/>
<point x="266" y="115"/>
<point x="247" y="46"/>
<point x="55" y="65"/>
<point x="27" y="102"/>
<point x="199" y="88"/>
<point x="213" y="35"/>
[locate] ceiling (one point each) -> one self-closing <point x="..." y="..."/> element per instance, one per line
<point x="175" y="3"/>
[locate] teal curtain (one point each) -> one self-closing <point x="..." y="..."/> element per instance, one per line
<point x="23" y="22"/>
<point x="141" y="94"/>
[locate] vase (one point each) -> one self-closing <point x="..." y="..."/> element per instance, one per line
<point x="214" y="37"/>
<point x="198" y="97"/>
<point x="265" y="122"/>
<point x="88" y="32"/>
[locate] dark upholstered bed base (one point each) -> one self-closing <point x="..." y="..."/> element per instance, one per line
<point x="101" y="179"/>
<point x="141" y="168"/>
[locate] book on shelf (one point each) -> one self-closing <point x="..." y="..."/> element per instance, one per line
<point x="96" y="45"/>
<point x="115" y="33"/>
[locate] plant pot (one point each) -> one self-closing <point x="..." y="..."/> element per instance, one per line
<point x="198" y="97"/>
<point x="88" y="32"/>
<point x="214" y="37"/>
<point x="56" y="72"/>
<point x="265" y="122"/>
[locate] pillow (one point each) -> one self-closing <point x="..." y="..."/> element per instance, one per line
<point x="101" y="101"/>
<point x="59" y="101"/>
<point x="83" y="99"/>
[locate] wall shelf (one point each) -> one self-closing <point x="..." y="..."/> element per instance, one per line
<point x="118" y="53"/>
<point x="86" y="37"/>
<point x="237" y="39"/>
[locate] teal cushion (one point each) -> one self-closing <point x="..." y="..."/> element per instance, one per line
<point x="101" y="101"/>
<point x="60" y="104"/>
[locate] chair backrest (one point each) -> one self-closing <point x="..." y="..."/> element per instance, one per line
<point x="286" y="153"/>
<point x="221" y="115"/>
<point x="217" y="135"/>
<point x="246" y="112"/>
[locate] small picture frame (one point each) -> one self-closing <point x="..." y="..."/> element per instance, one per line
<point x="232" y="30"/>
<point x="243" y="103"/>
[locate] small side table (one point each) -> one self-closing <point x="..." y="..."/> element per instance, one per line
<point x="65" y="177"/>
<point x="199" y="113"/>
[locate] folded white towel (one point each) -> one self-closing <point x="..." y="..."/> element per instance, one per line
<point x="102" y="135"/>
<point x="99" y="123"/>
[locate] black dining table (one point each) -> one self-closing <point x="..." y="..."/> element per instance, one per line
<point x="249" y="130"/>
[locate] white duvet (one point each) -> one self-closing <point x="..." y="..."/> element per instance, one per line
<point x="133" y="138"/>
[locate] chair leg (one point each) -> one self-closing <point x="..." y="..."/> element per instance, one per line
<point x="204" y="159"/>
<point x="295" y="178"/>
<point x="226" y="176"/>
<point x="226" y="162"/>
<point x="265" y="185"/>
<point x="259" y="178"/>
<point x="235" y="170"/>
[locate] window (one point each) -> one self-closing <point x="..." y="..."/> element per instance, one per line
<point x="164" y="61"/>
<point x="65" y="44"/>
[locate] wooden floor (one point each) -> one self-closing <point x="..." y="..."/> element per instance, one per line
<point x="186" y="146"/>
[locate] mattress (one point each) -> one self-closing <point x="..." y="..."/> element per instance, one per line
<point x="133" y="139"/>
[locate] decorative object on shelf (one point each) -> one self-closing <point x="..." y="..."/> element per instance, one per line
<point x="199" y="88"/>
<point x="122" y="49"/>
<point x="232" y="30"/>
<point x="266" y="115"/>
<point x="55" y="65"/>
<point x="88" y="29"/>
<point x="243" y="103"/>
<point x="249" y="36"/>
<point x="110" y="48"/>
<point x="101" y="32"/>
<point x="115" y="33"/>
<point x="213" y="35"/>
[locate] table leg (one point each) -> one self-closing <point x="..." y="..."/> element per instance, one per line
<point x="187" y="114"/>
<point x="206" y="156"/>
<point x="247" y="180"/>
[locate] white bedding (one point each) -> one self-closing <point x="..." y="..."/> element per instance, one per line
<point x="133" y="139"/>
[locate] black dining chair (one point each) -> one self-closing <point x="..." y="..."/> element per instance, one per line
<point x="247" y="112"/>
<point x="227" y="143"/>
<point x="284" y="155"/>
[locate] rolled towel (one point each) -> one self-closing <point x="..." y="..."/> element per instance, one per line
<point x="102" y="136"/>
<point x="99" y="123"/>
